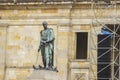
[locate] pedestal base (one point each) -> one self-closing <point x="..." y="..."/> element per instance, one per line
<point x="43" y="75"/>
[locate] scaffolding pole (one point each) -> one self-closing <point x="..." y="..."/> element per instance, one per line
<point x="97" y="9"/>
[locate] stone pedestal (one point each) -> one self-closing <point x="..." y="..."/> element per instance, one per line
<point x="43" y="75"/>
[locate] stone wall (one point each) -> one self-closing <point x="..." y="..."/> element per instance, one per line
<point x="23" y="36"/>
<point x="2" y="51"/>
<point x="20" y="28"/>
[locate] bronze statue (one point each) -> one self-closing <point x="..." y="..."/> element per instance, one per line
<point x="47" y="47"/>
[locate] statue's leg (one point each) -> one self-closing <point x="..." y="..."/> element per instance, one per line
<point x="51" y="59"/>
<point x="51" y="55"/>
<point x="47" y="57"/>
<point x="44" y="62"/>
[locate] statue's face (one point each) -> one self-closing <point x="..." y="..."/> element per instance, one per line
<point x="45" y="25"/>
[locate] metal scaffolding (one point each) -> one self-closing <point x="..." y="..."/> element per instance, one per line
<point x="105" y="17"/>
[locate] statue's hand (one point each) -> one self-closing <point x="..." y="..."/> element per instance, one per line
<point x="44" y="42"/>
<point x="38" y="49"/>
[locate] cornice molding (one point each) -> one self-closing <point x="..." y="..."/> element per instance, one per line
<point x="62" y="5"/>
<point x="53" y="6"/>
<point x="56" y="22"/>
<point x="3" y="25"/>
<point x="34" y="6"/>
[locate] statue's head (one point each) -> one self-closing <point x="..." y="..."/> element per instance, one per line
<point x="45" y="24"/>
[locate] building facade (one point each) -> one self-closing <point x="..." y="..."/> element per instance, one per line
<point x="72" y="22"/>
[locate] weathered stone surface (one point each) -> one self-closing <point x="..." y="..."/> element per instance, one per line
<point x="43" y="75"/>
<point x="2" y="51"/>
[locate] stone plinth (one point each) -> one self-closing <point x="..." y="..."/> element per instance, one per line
<point x="43" y="75"/>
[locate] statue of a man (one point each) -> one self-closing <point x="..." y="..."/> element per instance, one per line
<point x="47" y="46"/>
